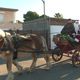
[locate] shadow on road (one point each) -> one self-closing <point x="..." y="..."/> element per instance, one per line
<point x="59" y="71"/>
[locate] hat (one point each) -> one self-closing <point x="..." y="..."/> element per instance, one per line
<point x="69" y="21"/>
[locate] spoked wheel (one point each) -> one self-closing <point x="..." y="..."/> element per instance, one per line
<point x="76" y="59"/>
<point x="57" y="54"/>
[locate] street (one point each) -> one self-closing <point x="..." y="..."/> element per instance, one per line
<point x="62" y="70"/>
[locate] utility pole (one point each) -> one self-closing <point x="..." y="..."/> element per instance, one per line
<point x="43" y="7"/>
<point x="44" y="21"/>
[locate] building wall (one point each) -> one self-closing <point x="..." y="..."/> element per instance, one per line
<point x="54" y="29"/>
<point x="8" y="16"/>
<point x="13" y="26"/>
<point x="40" y="27"/>
<point x="7" y="19"/>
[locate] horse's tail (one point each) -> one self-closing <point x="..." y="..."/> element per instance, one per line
<point x="44" y="43"/>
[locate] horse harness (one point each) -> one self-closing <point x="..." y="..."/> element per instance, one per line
<point x="17" y="38"/>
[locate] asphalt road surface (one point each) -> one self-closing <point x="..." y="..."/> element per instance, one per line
<point x="62" y="70"/>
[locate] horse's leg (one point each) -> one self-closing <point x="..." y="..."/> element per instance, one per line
<point x="16" y="63"/>
<point x="33" y="62"/>
<point x="9" y="65"/>
<point x="47" y="59"/>
<point x="45" y="52"/>
<point x="18" y="66"/>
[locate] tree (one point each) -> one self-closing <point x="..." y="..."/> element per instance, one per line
<point x="30" y="16"/>
<point x="58" y="15"/>
<point x="42" y="16"/>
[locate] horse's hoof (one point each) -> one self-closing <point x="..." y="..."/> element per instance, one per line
<point x="20" y="70"/>
<point x="46" y="68"/>
<point x="29" y="70"/>
<point x="19" y="73"/>
<point x="10" y="77"/>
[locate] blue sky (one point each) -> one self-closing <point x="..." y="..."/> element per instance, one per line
<point x="68" y="8"/>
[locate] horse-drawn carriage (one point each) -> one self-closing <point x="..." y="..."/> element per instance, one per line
<point x="65" y="46"/>
<point x="36" y="44"/>
<point x="62" y="46"/>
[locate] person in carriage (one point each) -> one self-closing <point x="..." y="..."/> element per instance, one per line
<point x="69" y="33"/>
<point x="77" y="29"/>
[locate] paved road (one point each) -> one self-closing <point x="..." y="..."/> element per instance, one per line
<point x="62" y="70"/>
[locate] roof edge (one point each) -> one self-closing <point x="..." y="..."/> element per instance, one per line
<point x="9" y="9"/>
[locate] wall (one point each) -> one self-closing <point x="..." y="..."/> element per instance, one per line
<point x="54" y="29"/>
<point x="8" y="16"/>
<point x="13" y="26"/>
<point x="40" y="27"/>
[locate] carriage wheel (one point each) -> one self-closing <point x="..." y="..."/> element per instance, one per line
<point x="76" y="59"/>
<point x="57" y="54"/>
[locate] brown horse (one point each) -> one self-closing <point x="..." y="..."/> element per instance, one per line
<point x="34" y="44"/>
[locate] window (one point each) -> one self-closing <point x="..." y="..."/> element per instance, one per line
<point x="1" y="17"/>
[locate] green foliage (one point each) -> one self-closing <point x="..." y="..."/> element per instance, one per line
<point x="58" y="15"/>
<point x="30" y="16"/>
<point x="42" y="16"/>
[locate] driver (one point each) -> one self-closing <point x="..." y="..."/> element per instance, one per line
<point x="69" y="28"/>
<point x="68" y="32"/>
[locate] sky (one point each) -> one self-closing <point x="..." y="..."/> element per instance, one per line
<point x="68" y="8"/>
